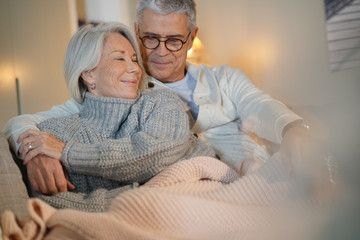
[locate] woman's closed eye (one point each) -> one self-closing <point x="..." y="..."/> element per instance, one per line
<point x="123" y="59"/>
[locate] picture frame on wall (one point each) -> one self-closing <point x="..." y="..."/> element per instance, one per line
<point x="343" y="33"/>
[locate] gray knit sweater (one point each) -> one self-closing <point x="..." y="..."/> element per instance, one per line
<point x="114" y="144"/>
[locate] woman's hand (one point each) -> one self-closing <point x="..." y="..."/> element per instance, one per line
<point x="35" y="142"/>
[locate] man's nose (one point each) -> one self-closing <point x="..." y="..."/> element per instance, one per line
<point x="161" y="50"/>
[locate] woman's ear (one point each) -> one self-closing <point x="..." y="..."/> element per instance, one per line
<point x="87" y="77"/>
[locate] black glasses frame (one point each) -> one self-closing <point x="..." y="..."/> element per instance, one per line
<point x="164" y="41"/>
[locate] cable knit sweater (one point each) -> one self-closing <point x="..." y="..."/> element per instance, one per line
<point x="114" y="144"/>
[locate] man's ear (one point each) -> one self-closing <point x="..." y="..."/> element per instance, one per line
<point x="192" y="37"/>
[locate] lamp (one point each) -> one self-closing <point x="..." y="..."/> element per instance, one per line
<point x="18" y="96"/>
<point x="197" y="54"/>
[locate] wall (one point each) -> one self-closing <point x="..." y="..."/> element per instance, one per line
<point x="8" y="105"/>
<point x="34" y="36"/>
<point x="108" y="11"/>
<point x="282" y="46"/>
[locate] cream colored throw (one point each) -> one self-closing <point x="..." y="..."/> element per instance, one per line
<point x="199" y="198"/>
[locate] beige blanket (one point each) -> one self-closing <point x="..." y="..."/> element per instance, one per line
<point x="200" y="198"/>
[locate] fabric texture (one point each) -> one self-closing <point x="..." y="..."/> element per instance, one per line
<point x="184" y="88"/>
<point x="114" y="144"/>
<point x="19" y="124"/>
<point x="231" y="108"/>
<point x="199" y="198"/>
<point x="13" y="193"/>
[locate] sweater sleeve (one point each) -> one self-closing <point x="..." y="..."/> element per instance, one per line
<point x="259" y="113"/>
<point x="19" y="124"/>
<point x="162" y="139"/>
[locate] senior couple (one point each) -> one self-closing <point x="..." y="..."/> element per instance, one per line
<point x="118" y="131"/>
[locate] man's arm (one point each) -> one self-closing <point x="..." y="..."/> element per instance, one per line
<point x="271" y="119"/>
<point x="17" y="125"/>
<point x="45" y="174"/>
<point x="259" y="113"/>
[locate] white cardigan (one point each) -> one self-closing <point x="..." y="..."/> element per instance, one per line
<point x="230" y="106"/>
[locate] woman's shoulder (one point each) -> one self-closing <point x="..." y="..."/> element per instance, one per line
<point x="164" y="99"/>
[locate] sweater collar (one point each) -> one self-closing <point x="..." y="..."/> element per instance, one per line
<point x="106" y="113"/>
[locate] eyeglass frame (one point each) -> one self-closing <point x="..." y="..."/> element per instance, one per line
<point x="164" y="41"/>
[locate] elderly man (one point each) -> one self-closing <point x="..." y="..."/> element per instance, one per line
<point x="223" y="104"/>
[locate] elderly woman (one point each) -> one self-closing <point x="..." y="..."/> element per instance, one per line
<point x="123" y="135"/>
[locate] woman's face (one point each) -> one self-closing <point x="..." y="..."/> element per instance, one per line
<point x="118" y="73"/>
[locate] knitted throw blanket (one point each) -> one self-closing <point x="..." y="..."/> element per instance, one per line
<point x="115" y="144"/>
<point x="199" y="198"/>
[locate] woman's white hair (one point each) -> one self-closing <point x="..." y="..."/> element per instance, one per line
<point x="84" y="53"/>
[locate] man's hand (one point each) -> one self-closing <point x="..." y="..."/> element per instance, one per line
<point x="304" y="153"/>
<point x="294" y="147"/>
<point x="35" y="142"/>
<point x="47" y="176"/>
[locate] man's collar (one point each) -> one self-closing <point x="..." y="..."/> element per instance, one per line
<point x="193" y="70"/>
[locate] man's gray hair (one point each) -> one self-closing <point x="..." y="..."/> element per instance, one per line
<point x="84" y="53"/>
<point x="165" y="7"/>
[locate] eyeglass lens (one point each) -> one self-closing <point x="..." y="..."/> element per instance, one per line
<point x="172" y="44"/>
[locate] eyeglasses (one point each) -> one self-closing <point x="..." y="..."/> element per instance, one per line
<point x="171" y="44"/>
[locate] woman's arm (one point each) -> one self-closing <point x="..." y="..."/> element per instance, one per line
<point x="163" y="138"/>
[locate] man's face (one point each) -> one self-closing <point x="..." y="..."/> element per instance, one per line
<point x="160" y="63"/>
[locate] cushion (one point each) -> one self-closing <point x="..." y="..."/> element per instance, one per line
<point x="13" y="191"/>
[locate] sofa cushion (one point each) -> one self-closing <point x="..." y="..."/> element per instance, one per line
<point x="13" y="192"/>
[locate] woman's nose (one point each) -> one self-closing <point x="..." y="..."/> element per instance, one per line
<point x="133" y="67"/>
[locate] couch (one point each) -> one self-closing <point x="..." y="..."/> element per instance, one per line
<point x="13" y="191"/>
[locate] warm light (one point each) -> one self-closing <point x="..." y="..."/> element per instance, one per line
<point x="197" y="45"/>
<point x="7" y="80"/>
<point x="189" y="52"/>
<point x="197" y="54"/>
<point x="6" y="76"/>
<point x="263" y="54"/>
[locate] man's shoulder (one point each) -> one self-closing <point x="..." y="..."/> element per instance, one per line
<point x="208" y="67"/>
<point x="161" y="96"/>
<point x="222" y="74"/>
<point x="217" y="71"/>
<point x="159" y="93"/>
